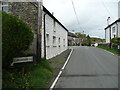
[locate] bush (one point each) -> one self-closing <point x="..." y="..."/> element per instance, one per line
<point x="16" y="37"/>
<point x="116" y="40"/>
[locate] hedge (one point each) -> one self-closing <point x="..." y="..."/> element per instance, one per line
<point x="16" y="37"/>
<point x="116" y="40"/>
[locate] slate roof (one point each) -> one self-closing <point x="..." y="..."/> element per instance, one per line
<point x="118" y="20"/>
<point x="45" y="10"/>
<point x="72" y="34"/>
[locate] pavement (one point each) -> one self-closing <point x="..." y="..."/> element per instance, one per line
<point x="56" y="64"/>
<point x="90" y="67"/>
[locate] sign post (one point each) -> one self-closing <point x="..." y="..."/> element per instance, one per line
<point x="39" y="32"/>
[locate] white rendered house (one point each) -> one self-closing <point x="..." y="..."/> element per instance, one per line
<point x="112" y="31"/>
<point x="54" y="36"/>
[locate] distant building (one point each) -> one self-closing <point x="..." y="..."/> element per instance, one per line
<point x="54" y="34"/>
<point x="73" y="40"/>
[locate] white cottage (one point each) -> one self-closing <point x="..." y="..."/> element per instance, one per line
<point x="112" y="31"/>
<point x="54" y="36"/>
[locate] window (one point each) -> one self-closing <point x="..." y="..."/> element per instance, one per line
<point x="113" y="29"/>
<point x="54" y="39"/>
<point x="47" y="36"/>
<point x="5" y="6"/>
<point x="63" y="41"/>
<point x="59" y="40"/>
<point x="54" y="26"/>
<point x="47" y="40"/>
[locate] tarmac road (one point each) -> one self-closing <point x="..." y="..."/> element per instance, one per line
<point x="90" y="67"/>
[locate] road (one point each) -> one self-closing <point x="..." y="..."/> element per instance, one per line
<point x="90" y="67"/>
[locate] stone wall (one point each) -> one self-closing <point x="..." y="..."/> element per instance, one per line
<point x="27" y="12"/>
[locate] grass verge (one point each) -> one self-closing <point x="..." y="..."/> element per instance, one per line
<point x="113" y="50"/>
<point x="29" y="76"/>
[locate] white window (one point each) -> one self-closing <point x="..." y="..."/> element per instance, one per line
<point x="63" y="41"/>
<point x="47" y="40"/>
<point x="5" y="7"/>
<point x="59" y="39"/>
<point x="113" y="29"/>
<point x="47" y="37"/>
<point x="54" y="26"/>
<point x="54" y="40"/>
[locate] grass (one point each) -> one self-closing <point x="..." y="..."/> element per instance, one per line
<point x="113" y="50"/>
<point x="34" y="76"/>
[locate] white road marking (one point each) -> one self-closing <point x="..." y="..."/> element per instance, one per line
<point x="67" y="60"/>
<point x="52" y="86"/>
<point x="109" y="52"/>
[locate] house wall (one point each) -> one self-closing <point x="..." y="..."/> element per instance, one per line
<point x="118" y="29"/>
<point x="28" y="12"/>
<point x="115" y="31"/>
<point x="56" y="38"/>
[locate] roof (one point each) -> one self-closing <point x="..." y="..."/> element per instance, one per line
<point x="45" y="10"/>
<point x="71" y="34"/>
<point x="118" y="20"/>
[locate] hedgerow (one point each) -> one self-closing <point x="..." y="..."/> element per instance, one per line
<point x="16" y="37"/>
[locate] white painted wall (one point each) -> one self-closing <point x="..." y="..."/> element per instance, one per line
<point x="54" y="31"/>
<point x="116" y="33"/>
<point x="118" y="29"/>
<point x="108" y="35"/>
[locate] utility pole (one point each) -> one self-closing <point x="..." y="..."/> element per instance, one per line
<point x="110" y="39"/>
<point x="44" y="37"/>
<point x="39" y="32"/>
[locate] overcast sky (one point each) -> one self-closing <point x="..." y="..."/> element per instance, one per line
<point x="92" y="14"/>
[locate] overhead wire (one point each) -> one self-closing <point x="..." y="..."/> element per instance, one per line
<point x="76" y="14"/>
<point x="106" y="9"/>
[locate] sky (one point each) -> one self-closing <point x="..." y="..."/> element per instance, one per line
<point x="91" y="15"/>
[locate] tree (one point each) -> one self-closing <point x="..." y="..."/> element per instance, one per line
<point x="88" y="41"/>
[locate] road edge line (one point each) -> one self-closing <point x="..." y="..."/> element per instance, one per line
<point x="110" y="53"/>
<point x="67" y="60"/>
<point x="55" y="81"/>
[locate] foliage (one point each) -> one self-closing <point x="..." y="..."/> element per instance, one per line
<point x="113" y="50"/>
<point x="96" y="40"/>
<point x="36" y="76"/>
<point x="81" y="35"/>
<point x="88" y="41"/>
<point x="115" y="40"/>
<point x="16" y="37"/>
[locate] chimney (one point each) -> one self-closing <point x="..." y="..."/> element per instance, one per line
<point x="108" y="20"/>
<point x="52" y="13"/>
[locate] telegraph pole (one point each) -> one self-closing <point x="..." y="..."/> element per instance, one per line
<point x="39" y="32"/>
